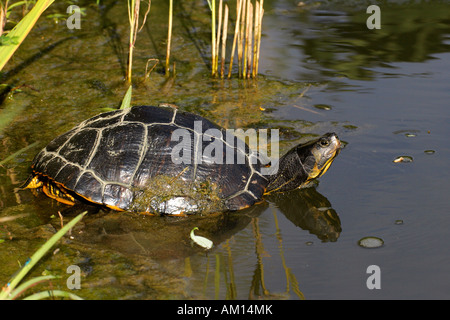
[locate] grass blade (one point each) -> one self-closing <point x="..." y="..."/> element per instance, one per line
<point x="53" y="294"/>
<point x="21" y="30"/>
<point x="37" y="256"/>
<point x="126" y="102"/>
<point x="28" y="284"/>
<point x="15" y="154"/>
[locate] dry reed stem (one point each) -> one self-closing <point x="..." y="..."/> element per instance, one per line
<point x="261" y="14"/>
<point x="224" y="41"/>
<point x="247" y="38"/>
<point x="248" y="41"/>
<point x="133" y="17"/>
<point x="241" y="37"/>
<point x="213" y="36"/>
<point x="236" y="35"/>
<point x="255" y="39"/>
<point x="147" y="72"/>
<point x="3" y="11"/>
<point x="244" y="42"/>
<point x="169" y="37"/>
<point x="145" y="15"/>
<point x="217" y="44"/>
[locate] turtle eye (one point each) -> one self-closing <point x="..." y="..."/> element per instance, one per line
<point x="324" y="143"/>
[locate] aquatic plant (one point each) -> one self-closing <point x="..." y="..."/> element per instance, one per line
<point x="15" y="154"/>
<point x="13" y="290"/>
<point x="11" y="41"/>
<point x="247" y="38"/>
<point x="133" y="18"/>
<point x="126" y="102"/>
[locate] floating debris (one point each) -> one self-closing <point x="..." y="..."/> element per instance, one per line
<point x="403" y="159"/>
<point x="429" y="151"/>
<point x="322" y="107"/>
<point x="408" y="133"/>
<point x="370" y="242"/>
<point x="399" y="221"/>
<point x="201" y="241"/>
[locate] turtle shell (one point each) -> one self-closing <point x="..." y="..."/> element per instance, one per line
<point x="153" y="160"/>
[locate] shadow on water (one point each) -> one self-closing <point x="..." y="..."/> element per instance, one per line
<point x="166" y="240"/>
<point x="161" y="237"/>
<point x="168" y="237"/>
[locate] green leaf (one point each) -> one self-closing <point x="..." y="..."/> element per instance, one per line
<point x="21" y="30"/>
<point x="126" y="102"/>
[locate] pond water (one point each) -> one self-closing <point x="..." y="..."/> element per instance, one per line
<point x="385" y="92"/>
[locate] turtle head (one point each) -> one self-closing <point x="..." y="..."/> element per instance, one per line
<point x="304" y="163"/>
<point x="324" y="150"/>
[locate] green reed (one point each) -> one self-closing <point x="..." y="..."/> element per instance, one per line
<point x="17" y="35"/>
<point x="14" y="289"/>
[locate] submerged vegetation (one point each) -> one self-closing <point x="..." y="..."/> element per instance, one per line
<point x="158" y="195"/>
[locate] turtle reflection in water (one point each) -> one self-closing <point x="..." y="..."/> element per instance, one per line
<point x="167" y="237"/>
<point x="123" y="160"/>
<point x="311" y="211"/>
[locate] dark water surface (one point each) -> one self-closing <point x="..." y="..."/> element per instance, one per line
<point x="384" y="92"/>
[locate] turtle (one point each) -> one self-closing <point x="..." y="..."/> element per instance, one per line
<point x="161" y="160"/>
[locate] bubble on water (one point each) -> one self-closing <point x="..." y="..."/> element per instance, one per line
<point x="370" y="242"/>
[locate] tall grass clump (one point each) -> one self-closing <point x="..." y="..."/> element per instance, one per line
<point x="246" y="40"/>
<point x="133" y="19"/>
